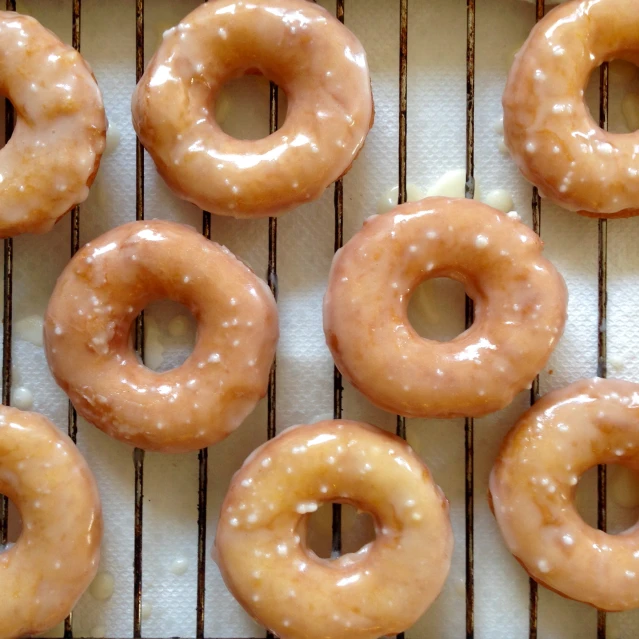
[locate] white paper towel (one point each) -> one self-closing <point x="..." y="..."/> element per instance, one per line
<point x="436" y="143"/>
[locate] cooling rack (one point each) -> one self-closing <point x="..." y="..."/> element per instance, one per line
<point x="271" y="425"/>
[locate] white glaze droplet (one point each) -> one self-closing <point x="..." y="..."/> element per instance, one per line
<point x="102" y="586"/>
<point x="179" y="326"/>
<point x="616" y="362"/>
<point x="147" y="610"/>
<point x="499" y="199"/>
<point x="179" y="566"/>
<point x="112" y="139"/>
<point x="22" y="398"/>
<point x="452" y="184"/>
<point x="29" y="329"/>
<point x="388" y="201"/>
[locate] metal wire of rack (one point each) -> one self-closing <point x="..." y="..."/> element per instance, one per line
<point x="272" y="280"/>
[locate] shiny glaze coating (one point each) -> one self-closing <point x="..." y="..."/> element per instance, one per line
<point x="58" y="552"/>
<point x="87" y="334"/>
<point x="548" y="128"/>
<point x="50" y="161"/>
<point x="382" y="589"/>
<point x="520" y="309"/>
<point x="298" y="45"/>
<point x="533" y="484"/>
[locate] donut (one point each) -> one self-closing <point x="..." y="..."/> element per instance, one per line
<point x="87" y="331"/>
<point x="298" y="45"/>
<point x="57" y="554"/>
<point x="520" y="309"/>
<point x="382" y="589"/>
<point x="50" y="161"/>
<point x="548" y="128"/>
<point x="533" y="484"/>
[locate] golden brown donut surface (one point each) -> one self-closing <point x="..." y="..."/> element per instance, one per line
<point x="58" y="551"/>
<point x="533" y="483"/>
<point x="548" y="128"/>
<point x="50" y="161"/>
<point x="382" y="589"/>
<point x="520" y="309"/>
<point x="298" y="45"/>
<point x="87" y="334"/>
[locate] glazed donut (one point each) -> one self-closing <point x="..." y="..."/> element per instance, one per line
<point x="57" y="554"/>
<point x="382" y="589"/>
<point x="548" y="128"/>
<point x="533" y="483"/>
<point x="520" y="309"/>
<point x="298" y="45"/>
<point x="88" y="325"/>
<point x="50" y="161"/>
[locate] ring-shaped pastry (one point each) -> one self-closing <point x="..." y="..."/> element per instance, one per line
<point x="533" y="484"/>
<point x="520" y="309"/>
<point x="88" y="327"/>
<point x="298" y="45"/>
<point x="548" y="127"/>
<point x="57" y="553"/>
<point x="50" y="161"/>
<point x="380" y="590"/>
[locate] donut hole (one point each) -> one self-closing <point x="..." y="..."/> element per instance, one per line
<point x="242" y="107"/>
<point x="14" y="528"/>
<point x="622" y="498"/>
<point x="436" y="309"/>
<point x="169" y="335"/>
<point x="623" y="83"/>
<point x="357" y="530"/>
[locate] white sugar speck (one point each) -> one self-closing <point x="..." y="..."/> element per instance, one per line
<point x="543" y="566"/>
<point x="306" y="507"/>
<point x="481" y="241"/>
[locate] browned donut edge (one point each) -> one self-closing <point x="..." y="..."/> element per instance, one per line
<point x="605" y="216"/>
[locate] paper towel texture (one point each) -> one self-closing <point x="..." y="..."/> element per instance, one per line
<point x="436" y="143"/>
